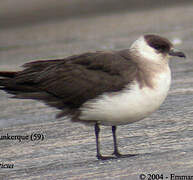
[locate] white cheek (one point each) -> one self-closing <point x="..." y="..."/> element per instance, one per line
<point x="149" y="53"/>
<point x="145" y="50"/>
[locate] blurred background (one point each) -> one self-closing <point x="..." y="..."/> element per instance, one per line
<point x="47" y="29"/>
<point x="21" y="12"/>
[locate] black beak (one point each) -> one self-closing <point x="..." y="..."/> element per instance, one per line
<point x="174" y="52"/>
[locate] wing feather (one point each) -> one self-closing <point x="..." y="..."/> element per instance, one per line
<point x="69" y="82"/>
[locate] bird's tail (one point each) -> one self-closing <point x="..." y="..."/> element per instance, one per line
<point x="5" y="78"/>
<point x="8" y="74"/>
<point x="17" y="85"/>
<point x="8" y="83"/>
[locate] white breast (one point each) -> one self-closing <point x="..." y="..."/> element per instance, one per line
<point x="130" y="105"/>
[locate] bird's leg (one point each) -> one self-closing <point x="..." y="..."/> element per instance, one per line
<point x="97" y="130"/>
<point x="99" y="156"/>
<point x="116" y="151"/>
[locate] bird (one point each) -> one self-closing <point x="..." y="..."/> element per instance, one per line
<point x="100" y="88"/>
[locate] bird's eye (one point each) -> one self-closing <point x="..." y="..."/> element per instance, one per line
<point x="157" y="47"/>
<point x="160" y="48"/>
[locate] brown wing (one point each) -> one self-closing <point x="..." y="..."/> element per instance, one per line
<point x="68" y="83"/>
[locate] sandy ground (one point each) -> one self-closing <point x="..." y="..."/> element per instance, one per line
<point x="162" y="141"/>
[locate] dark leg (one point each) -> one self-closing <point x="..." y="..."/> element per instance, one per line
<point x="116" y="151"/>
<point x="97" y="130"/>
<point x="99" y="156"/>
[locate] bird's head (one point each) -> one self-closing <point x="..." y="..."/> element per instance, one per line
<point x="154" y="47"/>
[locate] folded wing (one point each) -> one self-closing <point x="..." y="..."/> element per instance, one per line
<point x="68" y="83"/>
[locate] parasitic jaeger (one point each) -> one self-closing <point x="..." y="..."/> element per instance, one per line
<point x="100" y="88"/>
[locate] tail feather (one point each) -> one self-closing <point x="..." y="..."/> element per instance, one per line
<point x="27" y="90"/>
<point x="2" y="82"/>
<point x="5" y="77"/>
<point x="8" y="83"/>
<point x="8" y="74"/>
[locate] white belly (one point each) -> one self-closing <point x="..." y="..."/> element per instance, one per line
<point x="130" y="105"/>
